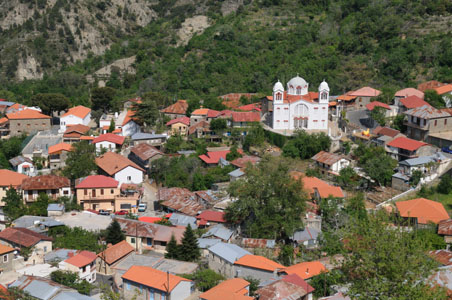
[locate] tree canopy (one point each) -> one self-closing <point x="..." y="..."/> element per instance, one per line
<point x="147" y="112"/>
<point x="102" y="98"/>
<point x="304" y="145"/>
<point x="80" y="161"/>
<point x="50" y="103"/>
<point x="114" y="233"/>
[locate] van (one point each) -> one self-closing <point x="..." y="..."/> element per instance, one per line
<point x="142" y="207"/>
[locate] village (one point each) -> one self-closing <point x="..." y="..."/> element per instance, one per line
<point x="248" y="202"/>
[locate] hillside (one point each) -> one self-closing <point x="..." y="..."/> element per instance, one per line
<point x="386" y="44"/>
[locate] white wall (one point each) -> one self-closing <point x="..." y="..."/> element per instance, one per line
<point x="317" y="115"/>
<point x="339" y="165"/>
<point x="107" y="145"/>
<point x="182" y="290"/>
<point x="29" y="170"/>
<point x="130" y="129"/>
<point x="136" y="176"/>
<point x="73" y="120"/>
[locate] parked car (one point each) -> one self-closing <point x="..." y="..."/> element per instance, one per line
<point x="121" y="212"/>
<point x="104" y="212"/>
<point x="142" y="207"/>
<point x="447" y="150"/>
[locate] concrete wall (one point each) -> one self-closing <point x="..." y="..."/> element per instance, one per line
<point x="18" y="127"/>
<point x="261" y="275"/>
<point x="8" y="265"/>
<point x="221" y="266"/>
<point x="109" y="146"/>
<point x="129" y="175"/>
<point x="179" y="128"/>
<point x="73" y="120"/>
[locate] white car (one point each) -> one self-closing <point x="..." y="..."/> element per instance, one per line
<point x="142" y="207"/>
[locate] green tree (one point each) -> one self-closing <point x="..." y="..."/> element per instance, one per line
<point x="189" y="249"/>
<point x="13" y="205"/>
<point x="205" y="279"/>
<point x="356" y="207"/>
<point x="269" y="203"/>
<point x="74" y="238"/>
<point x="305" y="145"/>
<point x="432" y="98"/>
<point x="397" y="123"/>
<point x="376" y="163"/>
<point x="255" y="137"/>
<point x="147" y="112"/>
<point x="416" y="177"/>
<point x="71" y="279"/>
<point x="39" y="207"/>
<point x="347" y="177"/>
<point x="218" y="125"/>
<point x="14" y="293"/>
<point x="112" y="126"/>
<point x="102" y="98"/>
<point x="172" y="249"/>
<point x="114" y="233"/>
<point x="378" y="114"/>
<point x="324" y="283"/>
<point x="445" y="184"/>
<point x="233" y="154"/>
<point x="254" y="285"/>
<point x="80" y="161"/>
<point x="50" y="103"/>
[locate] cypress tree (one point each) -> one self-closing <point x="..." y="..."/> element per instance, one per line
<point x="172" y="249"/>
<point x="189" y="250"/>
<point x="114" y="233"/>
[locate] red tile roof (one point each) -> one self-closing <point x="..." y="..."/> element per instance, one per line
<point x="445" y="227"/>
<point x="145" y="151"/>
<point x="444" y="257"/>
<point x="429" y="85"/>
<point x="366" y="92"/>
<point x="129" y="117"/>
<point x="251" y="107"/>
<point x="26" y="114"/>
<point x="45" y="182"/>
<point x="3" y="120"/>
<point x="295" y="279"/>
<point x="213" y="113"/>
<point x="82" y="259"/>
<point x="311" y="184"/>
<point x="212" y="216"/>
<point x="109" y="137"/>
<point x="258" y="262"/>
<point x="232" y="100"/>
<point x="413" y="102"/>
<point x="213" y="157"/>
<point x="179" y="108"/>
<point x="5" y="249"/>
<point x="444" y="89"/>
<point x="78" y="111"/>
<point x="327" y="158"/>
<point x="96" y="181"/>
<point x="410" y="92"/>
<point x="112" y="163"/>
<point x="306" y="270"/>
<point x="204" y="125"/>
<point x="150" y="277"/>
<point x="149" y="219"/>
<point x="423" y="209"/>
<point x="406" y="143"/>
<point x="60" y="147"/>
<point x="387" y="131"/>
<point x="373" y="104"/>
<point x="87" y="138"/>
<point x="243" y="161"/>
<point x="200" y="112"/>
<point x="116" y="252"/>
<point x="231" y="289"/>
<point x="183" y="120"/>
<point x="79" y="128"/>
<point x="246" y="117"/>
<point x="10" y="178"/>
<point x="22" y="236"/>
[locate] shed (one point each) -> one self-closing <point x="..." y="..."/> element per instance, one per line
<point x="55" y="209"/>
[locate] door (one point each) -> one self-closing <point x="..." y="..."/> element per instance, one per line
<point x="93" y="192"/>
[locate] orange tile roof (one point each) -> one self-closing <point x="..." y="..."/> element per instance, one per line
<point x="3" y="120"/>
<point x="183" y="120"/>
<point x="306" y="270"/>
<point x="179" y="108"/>
<point x="5" y="249"/>
<point x="129" y="117"/>
<point x="231" y="289"/>
<point x="444" y="89"/>
<point x="200" y="111"/>
<point x="112" y="163"/>
<point x="406" y="143"/>
<point x="346" y="97"/>
<point x="60" y="147"/>
<point x="410" y="92"/>
<point x="11" y="178"/>
<point x="371" y="105"/>
<point x="87" y="138"/>
<point x="82" y="259"/>
<point x="26" y="114"/>
<point x="246" y="116"/>
<point x="110" y="137"/>
<point x="423" y="209"/>
<point x="366" y="92"/>
<point x="115" y="252"/>
<point x="153" y="278"/>
<point x="325" y="190"/>
<point x="258" y="262"/>
<point x="429" y="85"/>
<point x="78" y="111"/>
<point x="79" y="128"/>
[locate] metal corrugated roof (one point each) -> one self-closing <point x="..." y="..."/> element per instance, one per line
<point x="427" y="112"/>
<point x="219" y="231"/>
<point x="236" y="173"/>
<point x="228" y="252"/>
<point x="36" y="288"/>
<point x="183" y="220"/>
<point x="207" y="243"/>
<point x="71" y="296"/>
<point x="147" y="136"/>
<point x="55" y="207"/>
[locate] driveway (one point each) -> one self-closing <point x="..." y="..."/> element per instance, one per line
<point x="150" y="198"/>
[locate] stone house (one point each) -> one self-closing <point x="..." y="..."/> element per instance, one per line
<point x="58" y="154"/>
<point x="425" y="120"/>
<point x="445" y="229"/>
<point x="402" y="148"/>
<point x="27" y="121"/>
<point x="178" y="126"/>
<point x="143" y="154"/>
<point x="9" y="179"/>
<point x="111" y="256"/>
<point x="7" y="256"/>
<point x="364" y="96"/>
<point x="52" y="185"/>
<point x="176" y="110"/>
<point x="257" y="267"/>
<point x="330" y="162"/>
<point x="83" y="263"/>
<point x="222" y="257"/>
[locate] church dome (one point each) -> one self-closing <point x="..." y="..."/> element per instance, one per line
<point x="324" y="86"/>
<point x="297" y="82"/>
<point x="278" y="86"/>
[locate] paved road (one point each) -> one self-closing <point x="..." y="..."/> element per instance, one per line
<point x="150" y="197"/>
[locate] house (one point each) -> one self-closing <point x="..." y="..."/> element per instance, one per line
<point x="288" y="287"/>
<point x="152" y="139"/>
<point x="154" y="284"/>
<point x="111" y="256"/>
<point x="9" y="179"/>
<point x="27" y="121"/>
<point x="429" y="85"/>
<point x="6" y="261"/>
<point x="210" y="217"/>
<point x="78" y="115"/>
<point x="384" y="135"/>
<point x="245" y="119"/>
<point x="425" y="120"/>
<point x="202" y="130"/>
<point x="198" y="115"/>
<point x="143" y="154"/>
<point x="45" y="289"/>
<point x="52" y="185"/>
<point x="308" y="237"/>
<point x="257" y="267"/>
<point x="446" y="92"/>
<point x="212" y="158"/>
<point x="242" y="162"/>
<point x="17" y="237"/>
<point x="83" y="263"/>
<point x="235" y="288"/>
<point x="205" y="244"/>
<point x="74" y="133"/>
<point x="37" y="224"/>
<point x="58" y="154"/>
<point x="129" y="127"/>
<point x="431" y="167"/>
<point x="256" y="107"/>
<point x="305" y="270"/>
<point x="22" y="165"/>
<point x="236" y="174"/>
<point x="232" y="100"/>
<point x="410" y="102"/>
<point x="445" y="229"/>
<point x="108" y="142"/>
<point x="330" y="162"/>
<point x="297" y="108"/>
<point x="102" y="192"/>
<point x="444" y="257"/>
<point x="407" y="92"/>
<point x="402" y="148"/>
<point x="176" y="110"/>
<point x="183" y="220"/>
<point x="120" y="168"/>
<point x="421" y="211"/>
<point x="222" y="257"/>
<point x="317" y="188"/>
<point x="148" y="236"/>
<point x="219" y="231"/>
<point x="252" y="243"/>
<point x="364" y="96"/>
<point x="178" y="126"/>
<point x="55" y="209"/>
<point x="179" y="200"/>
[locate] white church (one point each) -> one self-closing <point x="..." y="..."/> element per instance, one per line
<point x="297" y="108"/>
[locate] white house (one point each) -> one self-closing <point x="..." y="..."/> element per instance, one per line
<point x="120" y="168"/>
<point x="83" y="263"/>
<point x="22" y="165"/>
<point x="129" y="127"/>
<point x="109" y="142"/>
<point x="330" y="162"/>
<point x="297" y="108"/>
<point x="74" y="116"/>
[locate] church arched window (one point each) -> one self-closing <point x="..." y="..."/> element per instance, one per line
<point x="278" y="96"/>
<point x="298" y="90"/>
<point x="324" y="96"/>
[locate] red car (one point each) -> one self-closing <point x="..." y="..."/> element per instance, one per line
<point x="121" y="212"/>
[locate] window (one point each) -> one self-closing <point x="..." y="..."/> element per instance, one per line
<point x="278" y="96"/>
<point x="66" y="192"/>
<point x="298" y="90"/>
<point x="5" y="258"/>
<point x="84" y="269"/>
<point x="45" y="248"/>
<point x="112" y="191"/>
<point x="101" y="191"/>
<point x="129" y="178"/>
<point x="86" y="192"/>
<point x="324" y="96"/>
<point x="128" y="287"/>
<point x="132" y="240"/>
<point x="436" y="122"/>
<point x="445" y="121"/>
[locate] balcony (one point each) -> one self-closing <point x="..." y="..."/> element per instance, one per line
<point x="415" y="125"/>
